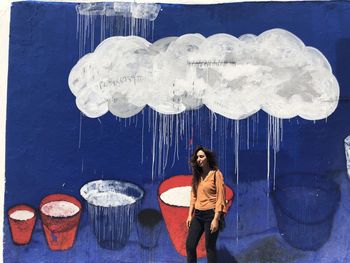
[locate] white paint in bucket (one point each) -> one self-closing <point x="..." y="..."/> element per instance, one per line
<point x="109" y="198"/>
<point x="60" y="209"/>
<point x="177" y="196"/>
<point x="22" y="215"/>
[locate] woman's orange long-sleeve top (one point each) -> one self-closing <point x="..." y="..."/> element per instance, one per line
<point x="210" y="195"/>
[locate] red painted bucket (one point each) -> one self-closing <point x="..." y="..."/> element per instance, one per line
<point x="60" y="231"/>
<point x="21" y="226"/>
<point x="175" y="216"/>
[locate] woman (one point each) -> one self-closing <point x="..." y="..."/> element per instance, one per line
<point x="207" y="203"/>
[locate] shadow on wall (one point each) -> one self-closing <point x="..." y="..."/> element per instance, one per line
<point x="224" y="256"/>
<point x="271" y="249"/>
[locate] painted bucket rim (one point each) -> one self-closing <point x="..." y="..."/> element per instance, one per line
<point x="347" y="140"/>
<point x="25" y="207"/>
<point x="84" y="191"/>
<point x="284" y="181"/>
<point x="60" y="198"/>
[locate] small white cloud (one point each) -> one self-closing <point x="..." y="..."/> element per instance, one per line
<point x="234" y="77"/>
<point x="145" y="11"/>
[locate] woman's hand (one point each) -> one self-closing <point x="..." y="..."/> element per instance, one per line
<point x="188" y="221"/>
<point x="214" y="226"/>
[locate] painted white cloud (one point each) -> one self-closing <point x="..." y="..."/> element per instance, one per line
<point x="234" y="77"/>
<point x="147" y="11"/>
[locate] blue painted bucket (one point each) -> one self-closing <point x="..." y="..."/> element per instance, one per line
<point x="304" y="206"/>
<point x="112" y="207"/>
<point x="149" y="225"/>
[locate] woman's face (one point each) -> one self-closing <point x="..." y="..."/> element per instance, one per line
<point x="201" y="159"/>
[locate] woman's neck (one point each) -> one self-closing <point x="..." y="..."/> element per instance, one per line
<point x="205" y="171"/>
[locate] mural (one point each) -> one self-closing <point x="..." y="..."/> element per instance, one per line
<point x="106" y="102"/>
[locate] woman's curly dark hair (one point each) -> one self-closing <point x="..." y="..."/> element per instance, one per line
<point x="197" y="170"/>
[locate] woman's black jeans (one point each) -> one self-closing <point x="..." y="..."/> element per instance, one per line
<point x="201" y="223"/>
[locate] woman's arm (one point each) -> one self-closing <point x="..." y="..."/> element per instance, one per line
<point x="214" y="226"/>
<point x="217" y="215"/>
<point x="190" y="216"/>
<point x="220" y="206"/>
<point x="191" y="209"/>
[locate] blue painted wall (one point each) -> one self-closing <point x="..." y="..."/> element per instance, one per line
<point x="42" y="134"/>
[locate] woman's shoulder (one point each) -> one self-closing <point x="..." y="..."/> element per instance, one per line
<point x="218" y="173"/>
